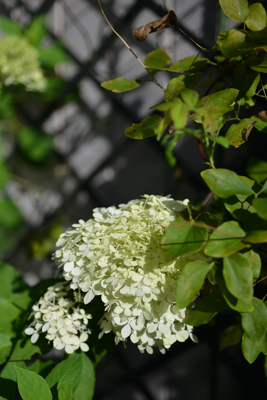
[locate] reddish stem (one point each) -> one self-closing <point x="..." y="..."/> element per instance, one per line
<point x="201" y="150"/>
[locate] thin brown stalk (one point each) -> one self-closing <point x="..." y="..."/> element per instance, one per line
<point x="129" y="48"/>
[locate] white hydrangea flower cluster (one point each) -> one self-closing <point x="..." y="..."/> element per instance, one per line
<point x="60" y="319"/>
<point x="19" y="64"/>
<point x="117" y="255"/>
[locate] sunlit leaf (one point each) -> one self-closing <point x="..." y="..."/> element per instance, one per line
<point x="32" y="386"/>
<point x="255" y="325"/>
<point x="226" y="240"/>
<point x="78" y="369"/>
<point x="146" y="128"/>
<point x="231" y="43"/>
<point x="217" y="104"/>
<point x="120" y="85"/>
<point x="174" y="88"/>
<point x="254" y="262"/>
<point x="232" y="301"/>
<point x="191" y="63"/>
<point x="190" y="281"/>
<point x="157" y="59"/>
<point x="179" y="114"/>
<point x="256" y="20"/>
<point x="182" y="238"/>
<point x="190" y="97"/>
<point x="237" y="10"/>
<point x="238" y="133"/>
<point x="238" y="276"/>
<point x="225" y="183"/>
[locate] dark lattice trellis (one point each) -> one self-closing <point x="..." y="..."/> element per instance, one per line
<point x="95" y="165"/>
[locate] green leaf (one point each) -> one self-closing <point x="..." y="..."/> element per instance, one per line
<point x="42" y="366"/>
<point x="171" y="160"/>
<point x="233" y="42"/>
<point x="8" y="380"/>
<point x="182" y="238"/>
<point x="207" y="308"/>
<point x="120" y="85"/>
<point x="231" y="336"/>
<point x="78" y="369"/>
<point x="24" y="349"/>
<point x="32" y="386"/>
<point x="146" y="128"/>
<point x="50" y="56"/>
<point x="191" y="63"/>
<point x="190" y="97"/>
<point x="36" y="30"/>
<point x="225" y="183"/>
<point x="36" y="145"/>
<point x="238" y="276"/>
<point x="237" y="10"/>
<point x="8" y="314"/>
<point x="232" y="301"/>
<point x="217" y="104"/>
<point x="191" y="81"/>
<point x="257" y="169"/>
<point x="259" y="63"/>
<point x="246" y="81"/>
<point x="174" y="88"/>
<point x="10" y="27"/>
<point x="255" y="325"/>
<point x="237" y="134"/>
<point x="10" y="216"/>
<point x="13" y="287"/>
<point x="256" y="229"/>
<point x="257" y="40"/>
<point x="222" y="141"/>
<point x="65" y="392"/>
<point x="179" y="114"/>
<point x="163" y="106"/>
<point x="5" y="345"/>
<point x="256" y="20"/>
<point x="225" y="240"/>
<point x="190" y="281"/>
<point x="260" y="205"/>
<point x="157" y="59"/>
<point x="254" y="262"/>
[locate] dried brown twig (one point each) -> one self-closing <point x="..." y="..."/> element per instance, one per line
<point x="129" y="48"/>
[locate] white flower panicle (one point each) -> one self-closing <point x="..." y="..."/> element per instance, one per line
<point x="117" y="255"/>
<point x="62" y="321"/>
<point x="19" y="64"/>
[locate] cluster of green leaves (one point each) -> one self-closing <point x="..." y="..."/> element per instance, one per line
<point x="241" y="50"/>
<point x="237" y="239"/>
<point x="235" y="245"/>
<point x="72" y="379"/>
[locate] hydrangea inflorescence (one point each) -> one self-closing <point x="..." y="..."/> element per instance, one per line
<point x="117" y="255"/>
<point x="19" y="64"/>
<point x="61" y="319"/>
